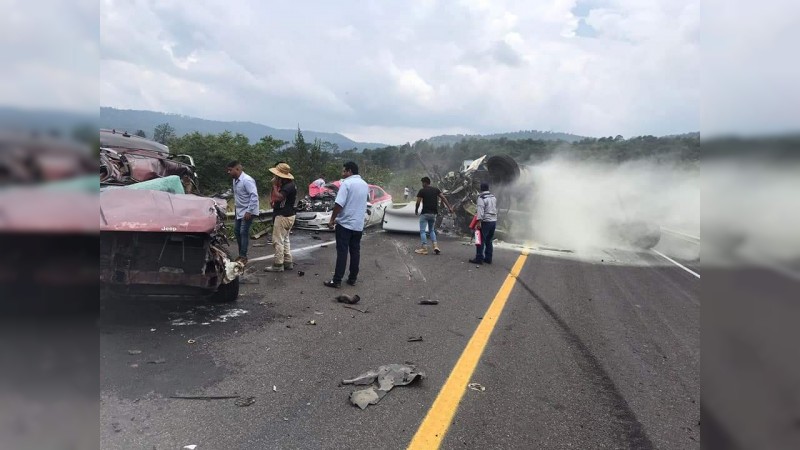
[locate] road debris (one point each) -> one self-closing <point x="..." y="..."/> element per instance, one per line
<point x="300" y="273"/>
<point x="347" y="299"/>
<point x="152" y="329"/>
<point x="316" y="238"/>
<point x="311" y="322"/>
<point x="428" y="302"/>
<point x="245" y="401"/>
<point x="134" y="352"/>
<point x="274" y="388"/>
<point x="415" y="339"/>
<point x="191" y="341"/>
<point x="382" y="381"/>
<point x="203" y="397"/>
<point x="365" y="310"/>
<point x="157" y="361"/>
<point x="190" y="447"/>
<point x="476" y="387"/>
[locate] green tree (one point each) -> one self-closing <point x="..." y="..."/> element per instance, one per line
<point x="141" y="133"/>
<point x="164" y="134"/>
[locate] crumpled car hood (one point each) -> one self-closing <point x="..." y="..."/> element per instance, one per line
<point x="156" y="211"/>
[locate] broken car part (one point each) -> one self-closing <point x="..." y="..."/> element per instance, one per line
<point x="348" y="299"/>
<point x="382" y="381"/>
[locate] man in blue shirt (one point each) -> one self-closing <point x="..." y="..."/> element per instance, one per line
<point x="348" y="218"/>
<point x="245" y="197"/>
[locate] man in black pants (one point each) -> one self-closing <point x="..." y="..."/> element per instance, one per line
<point x="348" y="218"/>
<point x="487" y="222"/>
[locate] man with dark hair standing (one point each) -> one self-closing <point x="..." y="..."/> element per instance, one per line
<point x="245" y="197"/>
<point x="429" y="196"/>
<point x="284" y="193"/>
<point x="487" y="222"/>
<point x="348" y="218"/>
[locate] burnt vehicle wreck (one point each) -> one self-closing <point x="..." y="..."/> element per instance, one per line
<point x="515" y="202"/>
<point x="155" y="238"/>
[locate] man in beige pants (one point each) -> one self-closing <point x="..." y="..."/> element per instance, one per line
<point x="284" y="193"/>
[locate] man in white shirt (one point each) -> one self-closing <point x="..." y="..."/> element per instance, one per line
<point x="487" y="223"/>
<point x="348" y="218"/>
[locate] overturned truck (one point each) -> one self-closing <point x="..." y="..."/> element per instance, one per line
<point x="516" y="202"/>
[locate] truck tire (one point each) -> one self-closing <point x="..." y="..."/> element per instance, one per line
<point x="227" y="293"/>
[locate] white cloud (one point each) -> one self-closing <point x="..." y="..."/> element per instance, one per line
<point x="424" y="66"/>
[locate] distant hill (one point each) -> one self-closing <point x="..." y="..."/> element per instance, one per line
<point x="450" y="139"/>
<point x="132" y="120"/>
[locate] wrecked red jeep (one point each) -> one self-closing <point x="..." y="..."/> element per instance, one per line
<point x="158" y="240"/>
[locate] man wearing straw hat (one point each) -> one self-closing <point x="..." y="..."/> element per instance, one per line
<point x="284" y="194"/>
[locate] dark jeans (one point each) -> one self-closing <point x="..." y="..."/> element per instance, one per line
<point x="485" y="250"/>
<point x="241" y="229"/>
<point x="347" y="241"/>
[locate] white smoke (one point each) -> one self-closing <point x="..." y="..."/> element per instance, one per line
<point x="581" y="205"/>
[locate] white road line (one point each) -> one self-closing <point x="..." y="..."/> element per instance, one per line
<point x="687" y="237"/>
<point x="677" y="263"/>
<point x="310" y="247"/>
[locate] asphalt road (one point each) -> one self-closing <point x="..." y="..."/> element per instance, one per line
<point x="591" y="351"/>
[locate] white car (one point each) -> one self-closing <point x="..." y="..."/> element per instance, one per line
<point x="314" y="213"/>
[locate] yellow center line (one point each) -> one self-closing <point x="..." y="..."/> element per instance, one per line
<point x="434" y="426"/>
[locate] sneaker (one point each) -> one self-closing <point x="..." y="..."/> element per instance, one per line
<point x="274" y="268"/>
<point x="351" y="282"/>
<point x="436" y="248"/>
<point x="475" y="261"/>
<point x="333" y="284"/>
<point x="288" y="266"/>
<point x="421" y="251"/>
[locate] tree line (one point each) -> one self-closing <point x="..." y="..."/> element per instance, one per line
<point x="396" y="166"/>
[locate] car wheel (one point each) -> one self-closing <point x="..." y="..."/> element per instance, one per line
<point x="227" y="292"/>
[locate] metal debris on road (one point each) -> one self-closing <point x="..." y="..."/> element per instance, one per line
<point x="429" y="302"/>
<point x="476" y="387"/>
<point x="382" y="381"/>
<point x="347" y="299"/>
<point x="245" y="401"/>
<point x="365" y="310"/>
<point x="134" y="352"/>
<point x="415" y="339"/>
